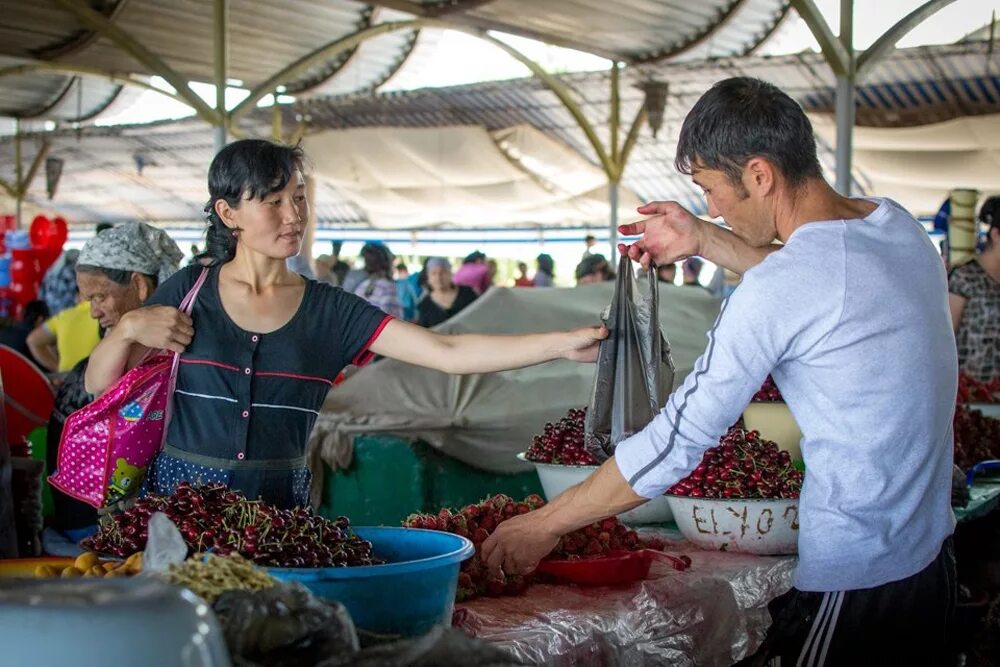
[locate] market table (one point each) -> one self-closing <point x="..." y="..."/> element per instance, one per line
<point x="714" y="613"/>
<point x="984" y="497"/>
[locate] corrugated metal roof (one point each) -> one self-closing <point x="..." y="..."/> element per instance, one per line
<point x="101" y="178"/>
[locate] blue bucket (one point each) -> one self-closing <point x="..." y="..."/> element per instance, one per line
<point x="410" y="594"/>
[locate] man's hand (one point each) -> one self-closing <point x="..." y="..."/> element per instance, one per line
<point x="517" y="544"/>
<point x="158" y="328"/>
<point x="583" y="344"/>
<point x="671" y="234"/>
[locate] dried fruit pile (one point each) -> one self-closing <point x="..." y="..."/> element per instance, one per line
<point x="89" y="565"/>
<point x="215" y="518"/>
<point x="562" y="442"/>
<point x="742" y="465"/>
<point x="768" y="392"/>
<point x="977" y="437"/>
<point x="477" y="522"/>
<point x="971" y="390"/>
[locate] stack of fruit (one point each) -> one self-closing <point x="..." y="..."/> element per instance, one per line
<point x="977" y="437"/>
<point x="971" y="390"/>
<point x="768" y="392"/>
<point x="215" y="518"/>
<point x="742" y="465"/>
<point x="562" y="443"/>
<point x="477" y="522"/>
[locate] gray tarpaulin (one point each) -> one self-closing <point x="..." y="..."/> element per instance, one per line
<point x="485" y="420"/>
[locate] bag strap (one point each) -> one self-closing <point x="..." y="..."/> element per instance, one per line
<point x="186" y="306"/>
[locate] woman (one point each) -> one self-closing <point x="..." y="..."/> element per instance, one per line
<point x="545" y="275"/>
<point x="116" y="272"/>
<point x="974" y="298"/>
<point x="263" y="345"/>
<point x="444" y="298"/>
<point x="378" y="288"/>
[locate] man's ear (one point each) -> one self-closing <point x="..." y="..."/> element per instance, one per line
<point x="760" y="176"/>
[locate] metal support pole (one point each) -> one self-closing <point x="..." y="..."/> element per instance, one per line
<point x="220" y="75"/>
<point x="18" y="171"/>
<point x="845" y="100"/>
<point x="277" y="133"/>
<point x="613" y="225"/>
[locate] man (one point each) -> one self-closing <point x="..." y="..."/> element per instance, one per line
<point x="66" y="338"/>
<point x="666" y="273"/>
<point x="691" y="268"/>
<point x="850" y="317"/>
<point x="16" y="335"/>
<point x="593" y="269"/>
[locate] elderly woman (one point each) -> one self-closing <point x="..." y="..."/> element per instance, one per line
<point x="263" y="345"/>
<point x="117" y="271"/>
<point x="444" y="298"/>
<point x="378" y="288"/>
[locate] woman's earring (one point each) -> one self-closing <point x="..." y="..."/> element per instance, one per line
<point x="236" y="233"/>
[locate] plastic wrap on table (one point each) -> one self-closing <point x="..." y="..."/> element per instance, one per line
<point x="715" y="613"/>
<point x="284" y="626"/>
<point x="441" y="647"/>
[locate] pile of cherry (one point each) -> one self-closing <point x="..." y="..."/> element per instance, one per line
<point x="768" y="392"/>
<point x="742" y="465"/>
<point x="214" y="518"/>
<point x="977" y="437"/>
<point x="562" y="442"/>
<point x="971" y="390"/>
<point x="477" y="522"/>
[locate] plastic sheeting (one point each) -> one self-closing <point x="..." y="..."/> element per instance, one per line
<point x="485" y="420"/>
<point x="713" y="614"/>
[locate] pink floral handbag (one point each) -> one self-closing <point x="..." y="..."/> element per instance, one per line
<point x="107" y="445"/>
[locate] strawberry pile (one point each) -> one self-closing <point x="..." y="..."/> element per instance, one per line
<point x="971" y="390"/>
<point x="214" y="518"/>
<point x="742" y="465"/>
<point x="977" y="437"/>
<point x="477" y="522"/>
<point x="768" y="392"/>
<point x="562" y="442"/>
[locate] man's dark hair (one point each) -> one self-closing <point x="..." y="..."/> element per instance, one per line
<point x="101" y="226"/>
<point x="34" y="311"/>
<point x="742" y="118"/>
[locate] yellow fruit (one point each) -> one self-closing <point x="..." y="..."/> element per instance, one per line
<point x="85" y="561"/>
<point x="70" y="572"/>
<point x="45" y="571"/>
<point x="110" y="565"/>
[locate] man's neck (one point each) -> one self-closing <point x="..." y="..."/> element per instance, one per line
<point x="815" y="201"/>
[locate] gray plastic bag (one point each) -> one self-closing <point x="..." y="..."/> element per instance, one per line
<point x="635" y="373"/>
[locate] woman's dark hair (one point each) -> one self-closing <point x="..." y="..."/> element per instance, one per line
<point x="546" y="264"/>
<point x="742" y="118"/>
<point x="245" y="169"/>
<point x="118" y="276"/>
<point x="989" y="213"/>
<point x="378" y="259"/>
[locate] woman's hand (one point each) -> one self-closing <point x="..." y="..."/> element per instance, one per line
<point x="583" y="344"/>
<point x="158" y="328"/>
<point x="672" y="234"/>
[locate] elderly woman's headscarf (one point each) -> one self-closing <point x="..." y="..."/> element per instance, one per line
<point x="438" y="262"/>
<point x="133" y="246"/>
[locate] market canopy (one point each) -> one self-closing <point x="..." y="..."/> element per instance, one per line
<point x="463" y="176"/>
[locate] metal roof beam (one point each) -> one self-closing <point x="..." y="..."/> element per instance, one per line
<point x="85" y="70"/>
<point x="886" y="44"/>
<point x="99" y="23"/>
<point x="833" y="50"/>
<point x="317" y="57"/>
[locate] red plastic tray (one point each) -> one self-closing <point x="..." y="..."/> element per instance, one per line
<point x="617" y="568"/>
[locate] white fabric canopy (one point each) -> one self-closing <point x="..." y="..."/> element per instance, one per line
<point x="919" y="166"/>
<point x="464" y="176"/>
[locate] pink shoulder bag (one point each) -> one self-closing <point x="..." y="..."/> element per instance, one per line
<point x="107" y="445"/>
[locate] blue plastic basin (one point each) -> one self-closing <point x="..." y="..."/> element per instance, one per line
<point x="411" y="593"/>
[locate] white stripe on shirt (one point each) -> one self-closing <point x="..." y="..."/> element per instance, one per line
<point x="282" y="407"/>
<point x="214" y="398"/>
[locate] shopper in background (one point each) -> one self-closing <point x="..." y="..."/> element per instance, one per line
<point x="522" y="279"/>
<point x="667" y="273"/>
<point x="974" y="299"/>
<point x="378" y="287"/>
<point x="58" y="288"/>
<point x="546" y="271"/>
<point x="16" y="335"/>
<point x="691" y="268"/>
<point x="444" y="298"/>
<point x="589" y="241"/>
<point x="474" y="273"/>
<point x="66" y="338"/>
<point x="324" y="270"/>
<point x="407" y="292"/>
<point x="118" y="271"/>
<point x="337" y="265"/>
<point x="593" y="269"/>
